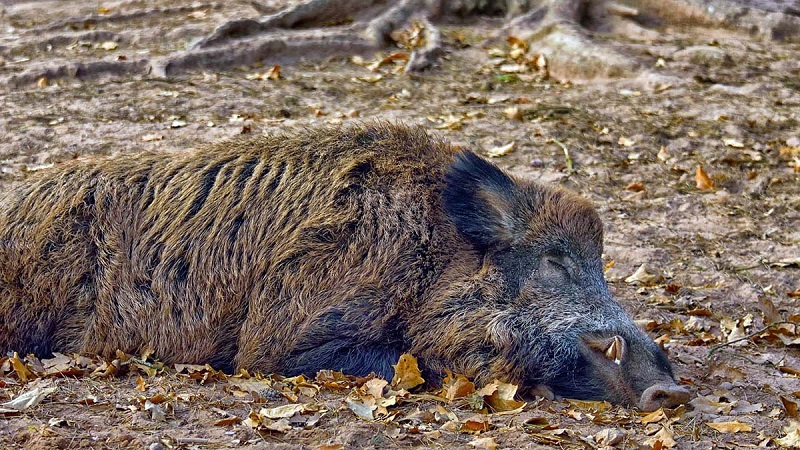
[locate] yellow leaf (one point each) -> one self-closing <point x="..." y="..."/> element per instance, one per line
<point x="703" y="181"/>
<point x="654" y="417"/>
<point x="730" y="427"/>
<point x="406" y="373"/>
<point x="19" y="367"/>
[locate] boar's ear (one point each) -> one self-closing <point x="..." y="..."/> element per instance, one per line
<point x="478" y="198"/>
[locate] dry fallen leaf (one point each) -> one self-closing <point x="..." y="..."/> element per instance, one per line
<point x="790" y="406"/>
<point x="625" y="142"/>
<point x="227" y="421"/>
<point x="501" y="397"/>
<point x="609" y="437"/>
<point x="475" y="424"/>
<point x="27" y="400"/>
<point x="513" y="113"/>
<point x="792" y="438"/>
<point x="361" y="407"/>
<point x="730" y="427"/>
<point x="21" y="370"/>
<point x="406" y="373"/>
<point x="732" y="142"/>
<point x="635" y="187"/>
<point x="704" y="183"/>
<point x="654" y="417"/>
<point x="664" y="437"/>
<point x="641" y="276"/>
<point x="108" y="45"/>
<point x="156" y="413"/>
<point x="487" y="443"/>
<point x="502" y="150"/>
<point x="284" y="411"/>
<point x="458" y="387"/>
<point x="709" y="405"/>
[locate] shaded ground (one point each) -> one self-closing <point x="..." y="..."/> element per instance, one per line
<point x="716" y="259"/>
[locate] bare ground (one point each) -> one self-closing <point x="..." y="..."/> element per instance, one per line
<point x="717" y="259"/>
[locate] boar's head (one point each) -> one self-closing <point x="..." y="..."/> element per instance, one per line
<point x="543" y="314"/>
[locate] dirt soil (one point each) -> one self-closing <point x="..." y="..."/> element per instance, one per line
<point x="721" y="255"/>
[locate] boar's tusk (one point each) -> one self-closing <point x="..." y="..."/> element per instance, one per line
<point x="616" y="350"/>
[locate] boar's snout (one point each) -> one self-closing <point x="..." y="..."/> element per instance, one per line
<point x="663" y="396"/>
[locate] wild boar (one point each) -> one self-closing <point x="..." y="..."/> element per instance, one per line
<point x="337" y="248"/>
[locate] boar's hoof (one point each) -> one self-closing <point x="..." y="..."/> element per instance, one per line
<point x="663" y="396"/>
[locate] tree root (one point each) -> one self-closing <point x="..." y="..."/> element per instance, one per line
<point x="97" y="19"/>
<point x="80" y="71"/>
<point x="778" y="25"/>
<point x="562" y="31"/>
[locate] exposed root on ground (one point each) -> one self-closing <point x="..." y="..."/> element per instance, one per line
<point x="565" y="32"/>
<point x="97" y="19"/>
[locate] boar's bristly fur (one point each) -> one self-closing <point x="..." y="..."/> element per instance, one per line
<point x="338" y="248"/>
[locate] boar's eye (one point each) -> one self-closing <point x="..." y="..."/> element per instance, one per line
<point x="555" y="268"/>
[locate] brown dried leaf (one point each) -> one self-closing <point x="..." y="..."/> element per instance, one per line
<point x="662" y="439"/>
<point x="397" y="56"/>
<point x="515" y="42"/>
<point x="280" y="426"/>
<point x="635" y="187"/>
<point x="502" y="397"/>
<point x="475" y="424"/>
<point x="654" y="417"/>
<point x="704" y="183"/>
<point x="730" y="427"/>
<point x="227" y="421"/>
<point x="641" y="275"/>
<point x="406" y="373"/>
<point x="487" y="443"/>
<point x="789" y="370"/>
<point x="458" y="388"/>
<point x="790" y="406"/>
<point x="374" y="387"/>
